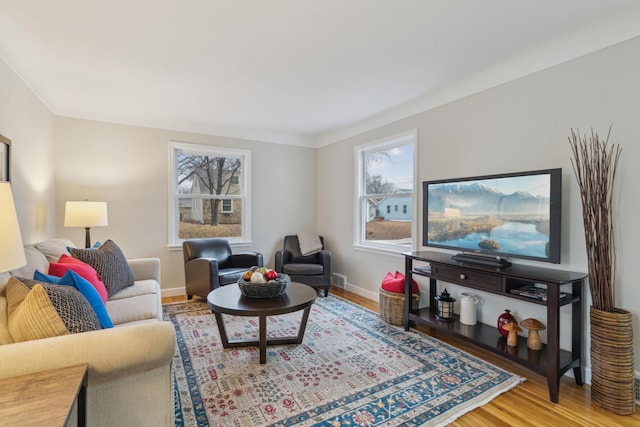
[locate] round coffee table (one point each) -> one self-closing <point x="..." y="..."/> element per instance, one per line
<point x="228" y="300"/>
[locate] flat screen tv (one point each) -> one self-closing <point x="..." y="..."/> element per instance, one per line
<point x="492" y="218"/>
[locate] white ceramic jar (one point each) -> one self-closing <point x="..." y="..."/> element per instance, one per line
<point x="468" y="312"/>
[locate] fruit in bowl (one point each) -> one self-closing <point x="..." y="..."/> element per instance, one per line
<point x="259" y="275"/>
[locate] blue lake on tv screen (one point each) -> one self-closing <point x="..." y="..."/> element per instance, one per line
<point x="514" y="237"/>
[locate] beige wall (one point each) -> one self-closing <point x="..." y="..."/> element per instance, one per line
<point x="29" y="124"/>
<point x="128" y="167"/>
<point x="521" y="125"/>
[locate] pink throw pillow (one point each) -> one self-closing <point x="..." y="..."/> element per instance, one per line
<point x="84" y="270"/>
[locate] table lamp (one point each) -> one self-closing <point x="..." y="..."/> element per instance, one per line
<point x="86" y="214"/>
<point x="11" y="249"/>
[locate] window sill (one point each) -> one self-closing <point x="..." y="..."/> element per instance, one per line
<point x="397" y="252"/>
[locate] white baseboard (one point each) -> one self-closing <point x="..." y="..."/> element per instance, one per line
<point x="361" y="291"/>
<point x="174" y="292"/>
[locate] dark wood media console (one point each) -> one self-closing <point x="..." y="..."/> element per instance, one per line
<point x="551" y="361"/>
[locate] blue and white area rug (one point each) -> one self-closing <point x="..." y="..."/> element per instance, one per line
<point x="352" y="369"/>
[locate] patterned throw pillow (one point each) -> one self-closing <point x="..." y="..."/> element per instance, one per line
<point x="41" y="310"/>
<point x="110" y="263"/>
<point x="66" y="262"/>
<point x="71" y="278"/>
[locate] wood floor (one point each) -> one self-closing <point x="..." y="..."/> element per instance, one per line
<point x="526" y="405"/>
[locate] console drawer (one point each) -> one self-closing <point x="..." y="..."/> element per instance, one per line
<point x="461" y="276"/>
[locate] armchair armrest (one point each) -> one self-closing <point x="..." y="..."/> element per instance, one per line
<point x="325" y="260"/>
<point x="201" y="275"/>
<point x="145" y="268"/>
<point x="282" y="257"/>
<point x="246" y="259"/>
<point x="110" y="353"/>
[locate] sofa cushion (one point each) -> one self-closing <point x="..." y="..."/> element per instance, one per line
<point x="71" y="278"/>
<point x="136" y="303"/>
<point x="41" y="310"/>
<point x="54" y="248"/>
<point x="66" y="262"/>
<point x="35" y="261"/>
<point x="110" y="263"/>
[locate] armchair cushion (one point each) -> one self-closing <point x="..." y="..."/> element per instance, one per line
<point x="303" y="269"/>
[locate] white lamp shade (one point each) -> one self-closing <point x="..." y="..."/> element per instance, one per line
<point x="11" y="248"/>
<point x="85" y="214"/>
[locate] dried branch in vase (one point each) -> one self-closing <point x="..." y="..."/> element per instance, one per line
<point x="595" y="163"/>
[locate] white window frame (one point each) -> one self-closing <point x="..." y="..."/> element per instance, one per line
<point x="245" y="186"/>
<point x="360" y="241"/>
<point x="230" y="203"/>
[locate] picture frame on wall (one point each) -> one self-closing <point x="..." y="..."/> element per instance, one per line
<point x="5" y="146"/>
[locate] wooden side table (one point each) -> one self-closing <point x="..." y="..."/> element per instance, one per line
<point x="44" y="398"/>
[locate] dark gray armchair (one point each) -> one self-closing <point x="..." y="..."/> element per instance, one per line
<point x="209" y="264"/>
<point x="313" y="270"/>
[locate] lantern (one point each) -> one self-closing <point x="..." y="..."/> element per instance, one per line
<point x="445" y="306"/>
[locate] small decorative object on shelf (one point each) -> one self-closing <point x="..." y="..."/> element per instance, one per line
<point x="533" y="325"/>
<point x="445" y="306"/>
<point x="263" y="283"/>
<point x="512" y="329"/>
<point x="503" y="319"/>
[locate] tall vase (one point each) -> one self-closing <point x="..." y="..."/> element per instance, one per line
<point x="612" y="377"/>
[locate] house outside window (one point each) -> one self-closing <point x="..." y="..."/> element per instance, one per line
<point x="209" y="193"/>
<point x="386" y="177"/>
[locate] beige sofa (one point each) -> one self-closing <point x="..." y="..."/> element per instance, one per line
<point x="129" y="379"/>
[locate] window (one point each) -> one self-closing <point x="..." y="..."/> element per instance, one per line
<point x="385" y="181"/>
<point x="209" y="194"/>
<point x="227" y="205"/>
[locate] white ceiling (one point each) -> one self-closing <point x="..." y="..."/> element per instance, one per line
<point x="306" y="72"/>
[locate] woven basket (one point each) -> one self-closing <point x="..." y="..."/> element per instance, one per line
<point x="612" y="361"/>
<point x="270" y="289"/>
<point x="392" y="306"/>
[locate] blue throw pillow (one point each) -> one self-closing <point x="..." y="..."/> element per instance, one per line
<point x="71" y="278"/>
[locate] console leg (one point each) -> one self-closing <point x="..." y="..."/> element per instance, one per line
<point x="554" y="389"/>
<point x="577" y="373"/>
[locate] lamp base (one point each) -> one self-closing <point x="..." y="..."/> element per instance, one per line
<point x="87" y="238"/>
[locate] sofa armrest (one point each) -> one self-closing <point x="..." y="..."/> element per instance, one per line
<point x="110" y="353"/>
<point x="145" y="268"/>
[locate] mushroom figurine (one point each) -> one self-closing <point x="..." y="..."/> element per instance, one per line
<point x="533" y="325"/>
<point x="512" y="338"/>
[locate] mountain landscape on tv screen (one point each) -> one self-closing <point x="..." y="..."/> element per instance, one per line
<point x="475" y="216"/>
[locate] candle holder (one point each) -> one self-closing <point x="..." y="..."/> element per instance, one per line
<point x="445" y="306"/>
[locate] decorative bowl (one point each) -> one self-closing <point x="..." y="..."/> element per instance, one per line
<point x="270" y="289"/>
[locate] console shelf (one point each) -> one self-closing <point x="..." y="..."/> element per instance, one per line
<point x="551" y="361"/>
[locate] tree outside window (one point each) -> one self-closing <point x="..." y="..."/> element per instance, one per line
<point x="210" y="192"/>
<point x="386" y="181"/>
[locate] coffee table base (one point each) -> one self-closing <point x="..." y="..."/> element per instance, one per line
<point x="263" y="342"/>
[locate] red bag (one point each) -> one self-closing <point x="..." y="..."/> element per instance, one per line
<point x="395" y="283"/>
